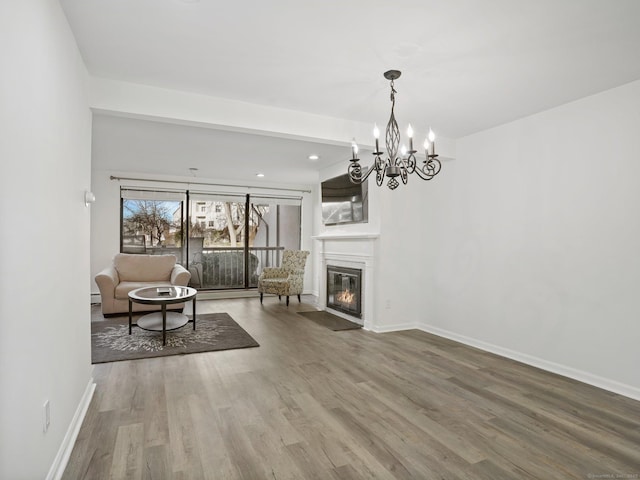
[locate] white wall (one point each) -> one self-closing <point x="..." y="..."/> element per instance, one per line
<point x="535" y="241"/>
<point x="406" y="258"/>
<point x="44" y="293"/>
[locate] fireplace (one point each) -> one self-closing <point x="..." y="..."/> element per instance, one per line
<point x="344" y="290"/>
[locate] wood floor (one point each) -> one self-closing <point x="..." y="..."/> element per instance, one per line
<point x="310" y="403"/>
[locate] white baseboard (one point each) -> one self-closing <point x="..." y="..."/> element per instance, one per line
<point x="64" y="452"/>
<point x="570" y="372"/>
<point x="394" y="328"/>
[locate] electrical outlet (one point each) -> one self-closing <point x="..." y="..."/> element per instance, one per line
<point x="47" y="416"/>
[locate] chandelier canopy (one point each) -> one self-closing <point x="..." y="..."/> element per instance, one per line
<point x="396" y="165"/>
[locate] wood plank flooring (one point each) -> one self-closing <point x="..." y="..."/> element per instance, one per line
<point x="310" y="403"/>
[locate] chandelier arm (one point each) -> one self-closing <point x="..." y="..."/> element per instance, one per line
<point x="435" y="164"/>
<point x="429" y="170"/>
<point x="411" y="163"/>
<point x="404" y="170"/>
<point x="381" y="168"/>
<point x="355" y="171"/>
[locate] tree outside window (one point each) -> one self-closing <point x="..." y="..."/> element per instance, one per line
<point x="151" y="218"/>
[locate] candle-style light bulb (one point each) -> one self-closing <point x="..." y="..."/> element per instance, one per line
<point x="432" y="138"/>
<point x="403" y="150"/>
<point x="426" y="147"/>
<point x="354" y="150"/>
<point x="410" y="135"/>
<point x="376" y="135"/>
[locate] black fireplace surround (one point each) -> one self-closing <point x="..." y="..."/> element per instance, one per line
<point x="344" y="290"/>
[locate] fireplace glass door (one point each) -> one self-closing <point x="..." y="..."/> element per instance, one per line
<point x="344" y="290"/>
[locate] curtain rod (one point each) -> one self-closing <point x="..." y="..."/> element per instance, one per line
<point x="112" y="177"/>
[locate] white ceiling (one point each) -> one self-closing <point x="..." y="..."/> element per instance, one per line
<point x="467" y="65"/>
<point x="129" y="144"/>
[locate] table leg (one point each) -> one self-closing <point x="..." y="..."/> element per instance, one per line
<point x="130" y="309"/>
<point x="164" y="324"/>
<point x="194" y="313"/>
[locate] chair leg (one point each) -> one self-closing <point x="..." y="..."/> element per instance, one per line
<point x="261" y="294"/>
<point x="299" y="301"/>
<point x="287" y="300"/>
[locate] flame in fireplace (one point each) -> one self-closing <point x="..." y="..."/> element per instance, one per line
<point x="346" y="296"/>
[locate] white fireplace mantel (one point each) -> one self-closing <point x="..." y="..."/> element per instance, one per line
<point x="355" y="250"/>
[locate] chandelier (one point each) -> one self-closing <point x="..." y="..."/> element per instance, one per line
<point x="396" y="165"/>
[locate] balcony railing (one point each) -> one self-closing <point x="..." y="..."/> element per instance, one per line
<point x="223" y="267"/>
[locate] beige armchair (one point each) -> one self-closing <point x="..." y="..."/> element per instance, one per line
<point x="285" y="280"/>
<point x="131" y="271"/>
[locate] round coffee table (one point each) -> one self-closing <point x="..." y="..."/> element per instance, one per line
<point x="163" y="320"/>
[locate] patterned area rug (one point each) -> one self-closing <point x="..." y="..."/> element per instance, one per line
<point x="111" y="342"/>
<point x="329" y="320"/>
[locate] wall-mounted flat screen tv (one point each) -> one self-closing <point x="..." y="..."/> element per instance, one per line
<point x="343" y="201"/>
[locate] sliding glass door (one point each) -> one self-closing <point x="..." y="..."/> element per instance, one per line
<point x="217" y="234"/>
<point x="275" y="226"/>
<point x="234" y="237"/>
<point x="225" y="240"/>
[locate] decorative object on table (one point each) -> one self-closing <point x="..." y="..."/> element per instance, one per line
<point x="285" y="280"/>
<point x="396" y="165"/>
<point x="111" y="342"/>
<point x="329" y="320"/>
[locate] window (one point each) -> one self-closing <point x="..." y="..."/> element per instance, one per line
<point x="231" y="237"/>
<point x="151" y="222"/>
